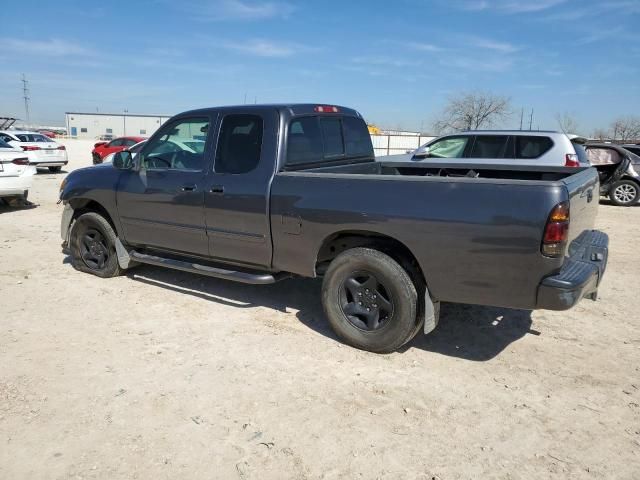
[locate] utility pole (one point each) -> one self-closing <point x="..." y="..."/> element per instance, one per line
<point x="25" y="95"/>
<point x="124" y="122"/>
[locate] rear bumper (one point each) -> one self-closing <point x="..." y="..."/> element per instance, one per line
<point x="580" y="275"/>
<point x="49" y="163"/>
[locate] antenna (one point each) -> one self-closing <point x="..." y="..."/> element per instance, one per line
<point x="521" y="117"/>
<point x="25" y="95"/>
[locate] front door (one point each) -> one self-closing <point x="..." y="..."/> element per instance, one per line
<point x="162" y="205"/>
<point x="237" y="195"/>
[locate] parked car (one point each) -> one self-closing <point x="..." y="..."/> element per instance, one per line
<point x="619" y="172"/>
<point x="134" y="150"/>
<point x="102" y="149"/>
<point x="42" y="151"/>
<point x="507" y="147"/>
<point x="48" y="133"/>
<point x="16" y="174"/>
<point x="632" y="147"/>
<point x="294" y="190"/>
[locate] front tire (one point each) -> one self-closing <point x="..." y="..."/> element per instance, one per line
<point x="55" y="169"/>
<point x="370" y="300"/>
<point x="97" y="159"/>
<point x="93" y="246"/>
<point x="624" y="193"/>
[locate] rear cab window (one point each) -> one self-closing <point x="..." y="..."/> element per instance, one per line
<point x="314" y="140"/>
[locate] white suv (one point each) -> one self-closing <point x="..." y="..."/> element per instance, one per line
<point x="507" y="147"/>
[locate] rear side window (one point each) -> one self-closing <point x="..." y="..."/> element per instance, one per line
<point x="317" y="139"/>
<point x="239" y="144"/>
<point x="489" y="146"/>
<point x="532" y="147"/>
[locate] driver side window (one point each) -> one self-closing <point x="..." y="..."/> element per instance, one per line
<point x="450" y="147"/>
<point x="180" y="146"/>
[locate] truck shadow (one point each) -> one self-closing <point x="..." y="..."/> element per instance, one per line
<point x="469" y="332"/>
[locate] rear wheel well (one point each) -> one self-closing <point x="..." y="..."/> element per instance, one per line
<point x="81" y="207"/>
<point x="337" y="243"/>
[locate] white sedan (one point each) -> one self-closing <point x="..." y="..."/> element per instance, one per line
<point x="15" y="172"/>
<point x="41" y="150"/>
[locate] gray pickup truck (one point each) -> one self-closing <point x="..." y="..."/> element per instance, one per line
<point x="258" y="193"/>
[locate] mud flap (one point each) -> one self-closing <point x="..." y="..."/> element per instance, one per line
<point x="124" y="260"/>
<point x="431" y="313"/>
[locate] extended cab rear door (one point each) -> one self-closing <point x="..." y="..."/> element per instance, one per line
<point x="237" y="194"/>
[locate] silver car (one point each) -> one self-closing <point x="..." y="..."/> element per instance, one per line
<point x="507" y="147"/>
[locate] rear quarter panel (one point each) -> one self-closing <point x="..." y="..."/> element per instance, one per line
<point x="476" y="240"/>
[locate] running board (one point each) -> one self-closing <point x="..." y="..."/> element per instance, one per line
<point x="243" y="277"/>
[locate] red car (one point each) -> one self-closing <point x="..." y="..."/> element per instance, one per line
<point x="102" y="149"/>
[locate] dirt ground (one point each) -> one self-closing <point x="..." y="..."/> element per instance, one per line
<point x="162" y="374"/>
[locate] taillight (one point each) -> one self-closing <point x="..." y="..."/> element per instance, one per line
<point x="571" y="160"/>
<point x="30" y="148"/>
<point x="20" y="161"/>
<point x="326" y="109"/>
<point x="61" y="147"/>
<point x="556" y="231"/>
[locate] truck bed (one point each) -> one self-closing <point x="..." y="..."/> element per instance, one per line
<point x="473" y="234"/>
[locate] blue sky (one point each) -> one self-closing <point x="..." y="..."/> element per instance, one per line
<point x="396" y="61"/>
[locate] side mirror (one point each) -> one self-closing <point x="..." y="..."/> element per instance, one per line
<point x="123" y="160"/>
<point x="422" y="152"/>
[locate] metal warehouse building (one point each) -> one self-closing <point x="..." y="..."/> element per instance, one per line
<point x="93" y="125"/>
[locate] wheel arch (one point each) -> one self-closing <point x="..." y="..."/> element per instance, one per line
<point x="85" y="205"/>
<point x="341" y="241"/>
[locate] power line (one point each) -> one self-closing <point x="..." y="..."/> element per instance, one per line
<point x="25" y="95"/>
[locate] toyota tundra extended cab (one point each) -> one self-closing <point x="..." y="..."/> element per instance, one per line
<point x="260" y="193"/>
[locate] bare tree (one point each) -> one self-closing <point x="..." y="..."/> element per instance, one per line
<point x="600" y="134"/>
<point x="567" y="122"/>
<point x="625" y="129"/>
<point x="473" y="110"/>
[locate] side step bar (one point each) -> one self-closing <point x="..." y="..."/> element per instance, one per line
<point x="243" y="277"/>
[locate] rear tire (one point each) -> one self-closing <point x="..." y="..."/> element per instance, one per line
<point x="624" y="193"/>
<point x="96" y="159"/>
<point x="93" y="246"/>
<point x="370" y="300"/>
<point x="55" y="169"/>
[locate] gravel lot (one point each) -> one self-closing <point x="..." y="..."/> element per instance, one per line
<point x="162" y="374"/>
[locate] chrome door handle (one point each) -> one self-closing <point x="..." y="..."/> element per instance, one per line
<point x="188" y="188"/>
<point x="217" y="189"/>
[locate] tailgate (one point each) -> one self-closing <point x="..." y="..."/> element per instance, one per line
<point x="584" y="195"/>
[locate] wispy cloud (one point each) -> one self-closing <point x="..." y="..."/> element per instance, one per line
<point x="511" y="6"/>
<point x="423" y="47"/>
<point x="268" y="48"/>
<point x="53" y="47"/>
<point x="383" y="61"/>
<point x="221" y="10"/>
<point x="489" y="44"/>
<point x="491" y="65"/>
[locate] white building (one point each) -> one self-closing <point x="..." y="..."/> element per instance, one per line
<point x="94" y="125"/>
